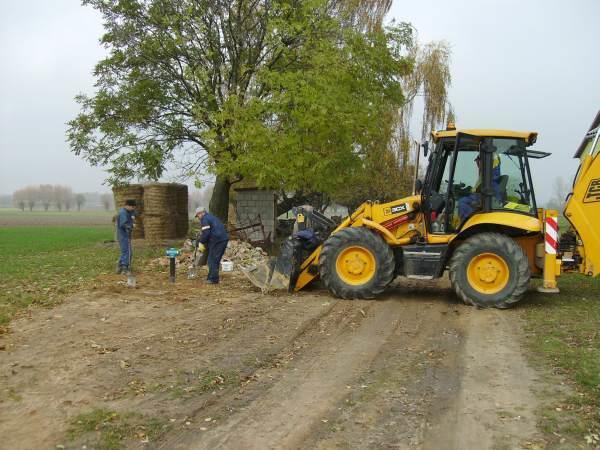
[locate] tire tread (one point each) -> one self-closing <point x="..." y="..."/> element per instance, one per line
<point x="483" y="241"/>
<point x="352" y="235"/>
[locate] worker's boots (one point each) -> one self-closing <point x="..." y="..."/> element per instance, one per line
<point x="121" y="269"/>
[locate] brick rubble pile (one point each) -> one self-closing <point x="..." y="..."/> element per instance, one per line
<point x="242" y="254"/>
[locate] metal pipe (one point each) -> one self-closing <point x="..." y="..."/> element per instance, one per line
<point x="172" y="270"/>
<point x="418" y="147"/>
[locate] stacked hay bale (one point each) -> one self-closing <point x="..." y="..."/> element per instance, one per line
<point x="133" y="192"/>
<point x="162" y="209"/>
<point x="159" y="211"/>
<point x="181" y="210"/>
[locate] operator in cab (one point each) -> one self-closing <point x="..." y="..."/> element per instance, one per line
<point x="470" y="203"/>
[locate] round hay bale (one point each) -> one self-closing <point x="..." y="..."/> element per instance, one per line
<point x="181" y="198"/>
<point x="159" y="227"/>
<point x="138" y="230"/>
<point x="182" y="224"/>
<point x="129" y="191"/>
<point x="159" y="199"/>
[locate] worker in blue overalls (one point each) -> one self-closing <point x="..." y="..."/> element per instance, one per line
<point x="125" y="221"/>
<point x="215" y="237"/>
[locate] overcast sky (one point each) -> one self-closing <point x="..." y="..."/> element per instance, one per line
<point x="526" y="65"/>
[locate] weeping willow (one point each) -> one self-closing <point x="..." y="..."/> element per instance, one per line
<point x="430" y="79"/>
<point x="389" y="165"/>
<point x="364" y="14"/>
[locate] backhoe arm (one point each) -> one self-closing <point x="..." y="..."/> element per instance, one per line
<point x="582" y="209"/>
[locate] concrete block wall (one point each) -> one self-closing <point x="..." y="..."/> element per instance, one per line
<point x="254" y="202"/>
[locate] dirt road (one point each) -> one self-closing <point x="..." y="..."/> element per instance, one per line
<point x="226" y="367"/>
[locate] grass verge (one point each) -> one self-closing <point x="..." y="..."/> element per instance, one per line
<point x="102" y="429"/>
<point x="39" y="265"/>
<point x="564" y="336"/>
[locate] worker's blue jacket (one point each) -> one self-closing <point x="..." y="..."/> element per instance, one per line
<point x="213" y="230"/>
<point x="124" y="222"/>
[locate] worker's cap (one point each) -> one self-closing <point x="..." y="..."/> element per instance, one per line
<point x="130" y="202"/>
<point x="200" y="209"/>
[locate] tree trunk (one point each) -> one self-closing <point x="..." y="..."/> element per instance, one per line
<point x="219" y="201"/>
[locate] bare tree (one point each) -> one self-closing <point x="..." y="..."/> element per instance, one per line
<point x="68" y="197"/>
<point x="26" y="197"/>
<point x="19" y="199"/>
<point x="106" y="199"/>
<point x="57" y="197"/>
<point x="80" y="200"/>
<point x="46" y="195"/>
<point x="31" y="196"/>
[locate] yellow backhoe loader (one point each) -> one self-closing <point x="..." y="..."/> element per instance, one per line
<point x="474" y="215"/>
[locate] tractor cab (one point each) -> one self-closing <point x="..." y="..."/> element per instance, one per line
<point x="477" y="171"/>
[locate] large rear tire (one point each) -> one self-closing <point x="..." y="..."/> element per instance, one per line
<point x="489" y="270"/>
<point x="356" y="263"/>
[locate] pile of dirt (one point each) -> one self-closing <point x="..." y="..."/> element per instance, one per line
<point x="184" y="259"/>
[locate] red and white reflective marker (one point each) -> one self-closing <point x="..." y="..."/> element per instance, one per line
<point x="551" y="235"/>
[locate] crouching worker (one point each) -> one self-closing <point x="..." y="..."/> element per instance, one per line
<point x="125" y="220"/>
<point x="215" y="237"/>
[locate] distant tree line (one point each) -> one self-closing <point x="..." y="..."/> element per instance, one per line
<point x="60" y="197"/>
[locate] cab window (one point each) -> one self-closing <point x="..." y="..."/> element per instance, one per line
<point x="512" y="187"/>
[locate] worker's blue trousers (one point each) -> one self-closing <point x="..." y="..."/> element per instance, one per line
<point x="124" y="245"/>
<point x="465" y="205"/>
<point x="216" y="251"/>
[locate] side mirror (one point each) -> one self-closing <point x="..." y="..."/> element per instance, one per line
<point x="425" y="146"/>
<point x="418" y="186"/>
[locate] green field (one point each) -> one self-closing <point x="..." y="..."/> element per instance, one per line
<point x="15" y="217"/>
<point x="40" y="264"/>
<point x="564" y="337"/>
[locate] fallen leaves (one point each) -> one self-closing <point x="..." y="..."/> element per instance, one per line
<point x="592" y="438"/>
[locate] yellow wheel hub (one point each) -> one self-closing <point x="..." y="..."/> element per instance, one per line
<point x="356" y="265"/>
<point x="488" y="273"/>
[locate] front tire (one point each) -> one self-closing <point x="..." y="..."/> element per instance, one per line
<point x="489" y="270"/>
<point x="356" y="263"/>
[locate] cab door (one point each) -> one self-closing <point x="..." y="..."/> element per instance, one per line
<point x="458" y="185"/>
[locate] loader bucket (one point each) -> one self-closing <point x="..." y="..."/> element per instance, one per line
<point x="266" y="278"/>
<point x="275" y="274"/>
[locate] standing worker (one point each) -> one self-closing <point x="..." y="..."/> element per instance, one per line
<point x="125" y="220"/>
<point x="215" y="238"/>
